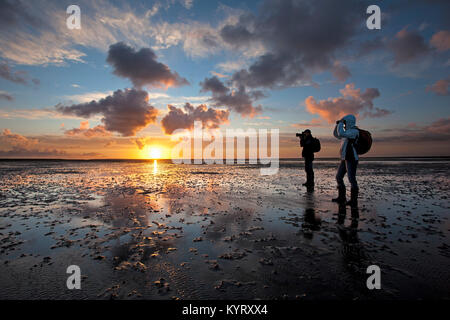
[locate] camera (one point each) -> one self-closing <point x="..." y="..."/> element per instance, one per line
<point x="303" y="134"/>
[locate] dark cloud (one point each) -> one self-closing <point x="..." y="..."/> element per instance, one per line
<point x="340" y="72"/>
<point x="183" y="118"/>
<point x="20" y="77"/>
<point x="14" y="12"/>
<point x="371" y="45"/>
<point x="14" y="76"/>
<point x="301" y="39"/>
<point x="440" y="87"/>
<point x="141" y="67"/>
<point x="353" y="101"/>
<point x="236" y="35"/>
<point x="239" y="100"/>
<point x="407" y="46"/>
<point x="126" y="111"/>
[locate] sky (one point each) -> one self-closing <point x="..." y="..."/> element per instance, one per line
<point x="136" y="71"/>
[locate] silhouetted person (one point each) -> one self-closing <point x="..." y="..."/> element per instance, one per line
<point x="307" y="143"/>
<point x="346" y="130"/>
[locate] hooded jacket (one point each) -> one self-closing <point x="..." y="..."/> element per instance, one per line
<point x="351" y="132"/>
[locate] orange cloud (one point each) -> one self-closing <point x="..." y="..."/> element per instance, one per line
<point x="84" y="130"/>
<point x="441" y="40"/>
<point x="353" y="101"/>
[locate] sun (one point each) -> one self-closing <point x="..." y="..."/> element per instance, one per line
<point x="155" y="153"/>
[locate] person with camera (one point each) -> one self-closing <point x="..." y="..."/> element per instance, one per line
<point x="307" y="143"/>
<point x="347" y="131"/>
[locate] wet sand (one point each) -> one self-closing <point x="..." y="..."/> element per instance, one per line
<point x="140" y="231"/>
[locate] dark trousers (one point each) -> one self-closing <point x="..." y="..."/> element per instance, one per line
<point x="349" y="167"/>
<point x="309" y="171"/>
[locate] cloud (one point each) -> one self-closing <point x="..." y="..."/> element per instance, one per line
<point x="353" y="101"/>
<point x="371" y="45"/>
<point x="37" y="33"/>
<point x="440" y="126"/>
<point x="187" y="3"/>
<point x="407" y="46"/>
<point x="13" y="13"/>
<point x="17" y="140"/>
<point x="239" y="100"/>
<point x="31" y="114"/>
<point x="13" y="76"/>
<point x="16" y="145"/>
<point x="438" y="130"/>
<point x="315" y="122"/>
<point x="85" y="131"/>
<point x="229" y="66"/>
<point x="20" y="77"/>
<point x="141" y="67"/>
<point x="440" y="87"/>
<point x="441" y="40"/>
<point x="88" y="96"/>
<point x="140" y="143"/>
<point x="183" y="118"/>
<point x="340" y="72"/>
<point x="219" y="75"/>
<point x="301" y="39"/>
<point x="125" y="111"/>
<point x="5" y="95"/>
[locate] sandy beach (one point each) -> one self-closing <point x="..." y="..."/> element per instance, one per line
<point x="140" y="230"/>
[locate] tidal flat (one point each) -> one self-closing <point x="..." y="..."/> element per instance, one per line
<point x="156" y="230"/>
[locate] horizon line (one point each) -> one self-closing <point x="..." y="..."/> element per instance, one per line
<point x="192" y="159"/>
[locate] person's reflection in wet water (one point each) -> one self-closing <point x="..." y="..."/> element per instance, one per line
<point x="311" y="222"/>
<point x="353" y="250"/>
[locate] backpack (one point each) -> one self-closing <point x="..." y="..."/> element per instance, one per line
<point x="363" y="143"/>
<point x="316" y="145"/>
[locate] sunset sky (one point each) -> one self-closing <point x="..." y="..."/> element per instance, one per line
<point x="138" y="70"/>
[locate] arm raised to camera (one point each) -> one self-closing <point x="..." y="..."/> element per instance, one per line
<point x="335" y="131"/>
<point x="350" y="133"/>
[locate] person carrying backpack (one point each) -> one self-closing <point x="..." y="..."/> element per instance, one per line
<point x="347" y="131"/>
<point x="309" y="145"/>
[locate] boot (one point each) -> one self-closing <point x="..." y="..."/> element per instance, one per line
<point x="353" y="198"/>
<point x="341" y="195"/>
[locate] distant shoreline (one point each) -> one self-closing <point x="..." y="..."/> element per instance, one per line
<point x="281" y="159"/>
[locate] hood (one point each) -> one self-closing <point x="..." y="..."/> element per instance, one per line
<point x="350" y="120"/>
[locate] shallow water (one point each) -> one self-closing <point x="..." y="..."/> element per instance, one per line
<point x="144" y="231"/>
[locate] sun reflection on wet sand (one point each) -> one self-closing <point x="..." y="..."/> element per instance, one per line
<point x="155" y="166"/>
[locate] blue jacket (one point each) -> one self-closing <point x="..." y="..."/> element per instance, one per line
<point x="345" y="134"/>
